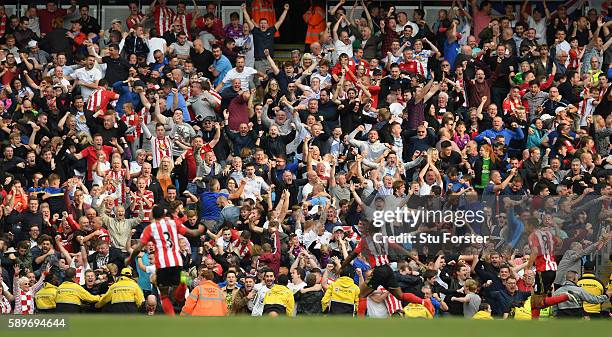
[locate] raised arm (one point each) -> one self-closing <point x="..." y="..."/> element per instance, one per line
<point x="247" y="18"/>
<point x="151" y="10"/>
<point x="524" y="13"/>
<point x="335" y="29"/>
<point x="273" y="65"/>
<point x="368" y="16"/>
<point x="332" y="11"/>
<point x="280" y="20"/>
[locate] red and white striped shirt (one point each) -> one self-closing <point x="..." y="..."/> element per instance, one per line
<point x="134" y="120"/>
<point x="185" y="21"/>
<point x="146" y="196"/>
<point x="160" y="148"/>
<point x="119" y="179"/>
<point x="100" y="98"/>
<point x="242" y="249"/>
<point x="542" y="243"/>
<point x="133" y="20"/>
<point x="391" y="302"/>
<point x="163" y="17"/>
<point x="165" y="235"/>
<point x="376" y="252"/>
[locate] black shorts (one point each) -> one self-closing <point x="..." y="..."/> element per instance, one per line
<point x="382" y="276"/>
<point x="544" y="281"/>
<point x="168" y="277"/>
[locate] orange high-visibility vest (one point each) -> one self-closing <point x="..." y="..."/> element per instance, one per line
<point x="315" y="18"/>
<point x="205" y="300"/>
<point x="264" y="9"/>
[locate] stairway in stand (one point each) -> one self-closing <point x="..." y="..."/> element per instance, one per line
<point x="282" y="51"/>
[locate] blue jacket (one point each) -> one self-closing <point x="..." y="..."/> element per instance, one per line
<point x="181" y="105"/>
<point x="507" y="133"/>
<point x="125" y="96"/>
<point x="222" y="65"/>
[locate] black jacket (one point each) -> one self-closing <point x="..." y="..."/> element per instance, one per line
<point x="115" y="256"/>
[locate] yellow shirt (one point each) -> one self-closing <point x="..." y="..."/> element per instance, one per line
<point x="483" y="315"/>
<point x="280" y="295"/>
<point x="413" y="310"/>
<point x="125" y="290"/>
<point x="593" y="286"/>
<point x="72" y="293"/>
<point x="45" y="297"/>
<point x="342" y="296"/>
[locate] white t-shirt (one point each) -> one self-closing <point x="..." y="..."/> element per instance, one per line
<point x="254" y="187"/>
<point x="342" y="48"/>
<point x="135" y="167"/>
<point x="88" y="76"/>
<point x="377" y="310"/>
<point x="564" y="46"/>
<point x="98" y="180"/>
<point x="540" y="28"/>
<point x="245" y="76"/>
<point x="312" y="236"/>
<point x="324" y="80"/>
<point x="223" y="243"/>
<point x="396" y="109"/>
<point x="156" y="43"/>
<point x="258" y="302"/>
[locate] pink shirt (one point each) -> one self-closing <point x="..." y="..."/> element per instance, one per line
<point x="481" y="20"/>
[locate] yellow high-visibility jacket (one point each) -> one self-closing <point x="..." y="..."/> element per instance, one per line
<point x="45" y="297"/>
<point x="125" y="290"/>
<point x="413" y="310"/>
<point x="341" y="297"/>
<point x="279" y="297"/>
<point x="482" y="315"/>
<point x="593" y="286"/>
<point x="71" y="293"/>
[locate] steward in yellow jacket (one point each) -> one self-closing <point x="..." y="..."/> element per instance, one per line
<point x="593" y="286"/>
<point x="279" y="299"/>
<point x="124" y="295"/>
<point x="342" y="296"/>
<point x="484" y="312"/>
<point x="206" y="299"/>
<point x="414" y="310"/>
<point x="70" y="294"/>
<point x="45" y="298"/>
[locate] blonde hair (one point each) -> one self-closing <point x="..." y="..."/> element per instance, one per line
<point x="161" y="171"/>
<point x="306" y="56"/>
<point x="471" y="285"/>
<point x="23" y="280"/>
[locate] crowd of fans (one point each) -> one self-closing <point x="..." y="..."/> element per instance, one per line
<point x="273" y="170"/>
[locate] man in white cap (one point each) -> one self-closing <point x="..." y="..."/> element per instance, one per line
<point x="35" y="53"/>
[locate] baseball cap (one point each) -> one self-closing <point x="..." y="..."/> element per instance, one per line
<point x="115" y="21"/>
<point x="32" y="44"/>
<point x="338" y="228"/>
<point x="126" y="272"/>
<point x="559" y="109"/>
<point x="546" y="117"/>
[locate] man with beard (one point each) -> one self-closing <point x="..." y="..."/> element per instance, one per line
<point x="242" y="298"/>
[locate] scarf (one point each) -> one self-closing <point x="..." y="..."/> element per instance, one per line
<point x="27" y="306"/>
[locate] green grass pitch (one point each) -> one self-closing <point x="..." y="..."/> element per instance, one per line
<point x="103" y="325"/>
